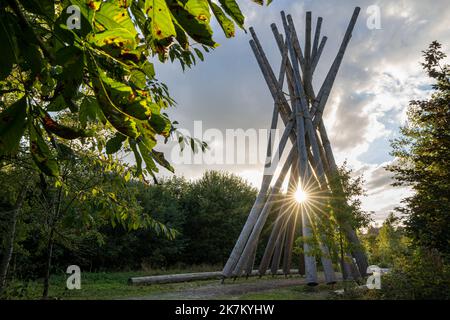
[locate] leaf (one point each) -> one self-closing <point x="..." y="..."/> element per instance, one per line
<point x="233" y="10"/>
<point x="71" y="77"/>
<point x="116" y="42"/>
<point x="139" y="17"/>
<point x="40" y="152"/>
<point x="57" y="104"/>
<point x="146" y="155"/>
<point x="30" y="56"/>
<point x="113" y="17"/>
<point x="118" y="119"/>
<point x="126" y="100"/>
<point x="148" y="134"/>
<point x="160" y="124"/>
<point x="90" y="111"/>
<point x="161" y="160"/>
<point x="199" y="54"/>
<point x="149" y="69"/>
<point x="8" y="49"/>
<point x="137" y="156"/>
<point x="137" y="77"/>
<point x="115" y="143"/>
<point x="194" y="19"/>
<point x="12" y="126"/>
<point x="161" y="25"/>
<point x="181" y="35"/>
<point x="226" y="24"/>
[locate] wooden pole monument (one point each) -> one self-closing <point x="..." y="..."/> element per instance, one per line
<point x="310" y="167"/>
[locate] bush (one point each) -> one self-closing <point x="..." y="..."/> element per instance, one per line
<point x="425" y="275"/>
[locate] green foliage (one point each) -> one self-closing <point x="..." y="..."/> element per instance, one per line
<point x="181" y="223"/>
<point x="385" y="244"/>
<point x="100" y="72"/>
<point x="424" y="275"/>
<point x="217" y="206"/>
<point x="423" y="159"/>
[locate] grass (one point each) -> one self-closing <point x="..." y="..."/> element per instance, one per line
<point x="102" y="285"/>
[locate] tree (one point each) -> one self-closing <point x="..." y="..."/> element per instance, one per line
<point x="217" y="204"/>
<point x="423" y="159"/>
<point x="92" y="190"/>
<point x="387" y="243"/>
<point x="91" y="57"/>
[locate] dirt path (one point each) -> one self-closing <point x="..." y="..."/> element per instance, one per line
<point x="217" y="290"/>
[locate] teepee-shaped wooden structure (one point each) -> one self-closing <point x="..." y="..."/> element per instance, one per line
<point x="310" y="162"/>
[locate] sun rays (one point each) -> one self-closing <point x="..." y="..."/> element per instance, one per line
<point x="300" y="196"/>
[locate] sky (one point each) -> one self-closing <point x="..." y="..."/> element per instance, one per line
<point x="380" y="74"/>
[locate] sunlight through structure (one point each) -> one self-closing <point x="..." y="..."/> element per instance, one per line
<point x="300" y="196"/>
<point x="309" y="167"/>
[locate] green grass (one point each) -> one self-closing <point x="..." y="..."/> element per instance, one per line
<point x="110" y="285"/>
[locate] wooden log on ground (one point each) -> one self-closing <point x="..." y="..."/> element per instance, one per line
<point x="185" y="277"/>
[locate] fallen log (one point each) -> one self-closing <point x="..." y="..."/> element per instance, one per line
<point x="186" y="277"/>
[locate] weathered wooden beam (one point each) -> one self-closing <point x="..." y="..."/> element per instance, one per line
<point x="328" y="270"/>
<point x="301" y="261"/>
<point x="304" y="64"/>
<point x="293" y="211"/>
<point x="287" y="258"/>
<point x="307" y="76"/>
<point x="316" y="58"/>
<point x="310" y="260"/>
<point x="316" y="37"/>
<point x="250" y="262"/>
<point x="308" y="32"/>
<point x="303" y="120"/>
<point x="274" y="235"/>
<point x="269" y="76"/>
<point x="298" y="102"/>
<point x="279" y="249"/>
